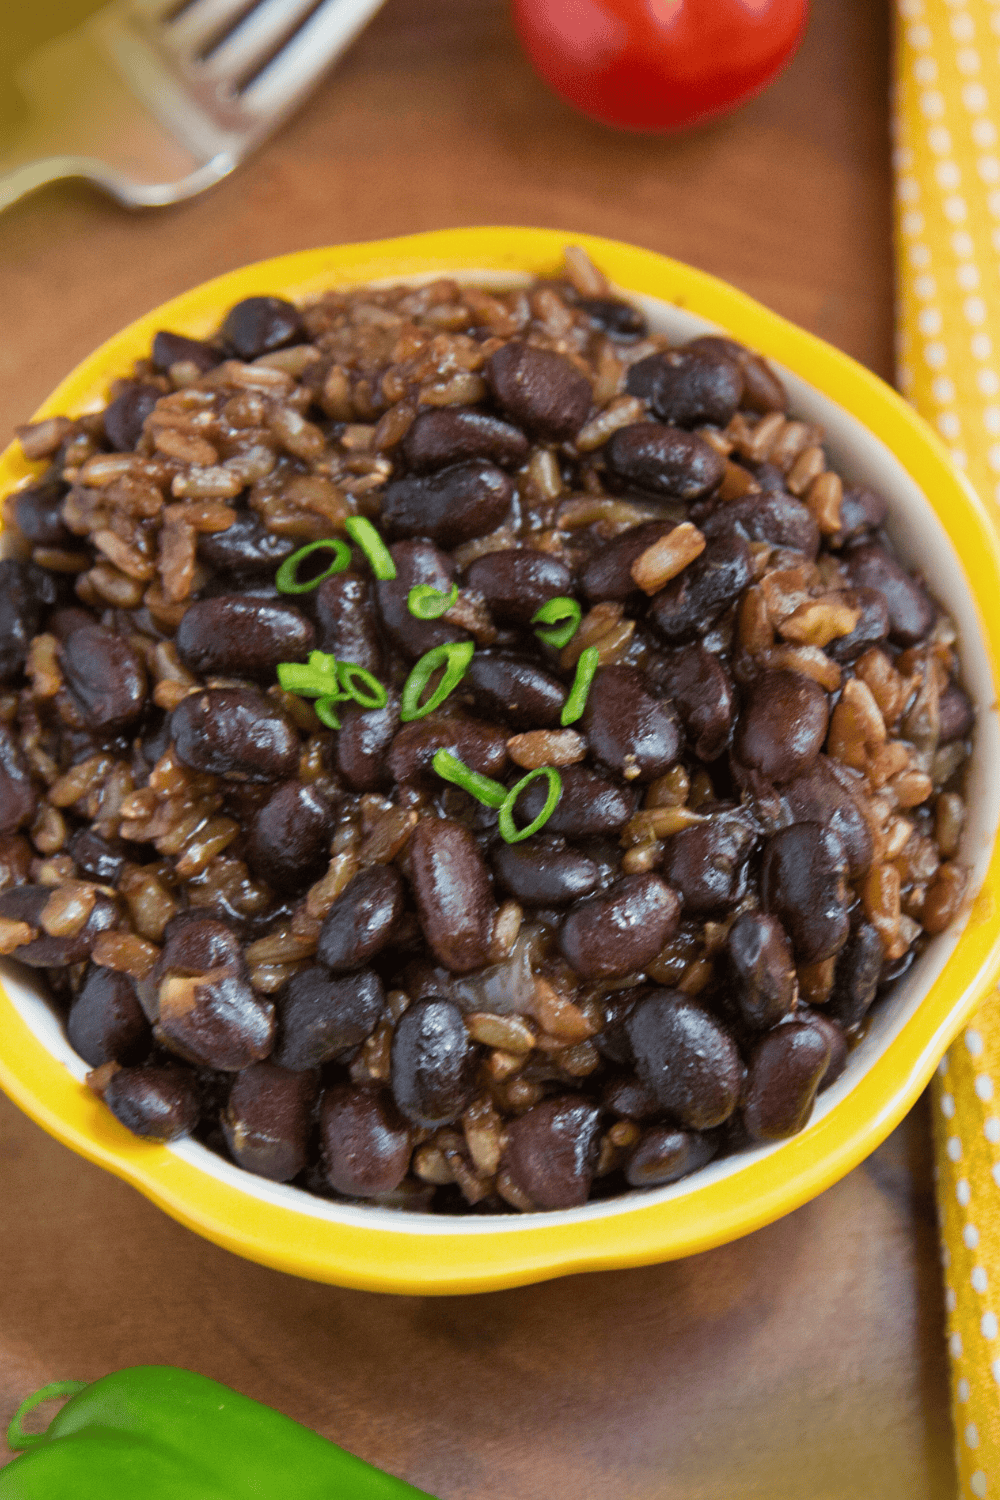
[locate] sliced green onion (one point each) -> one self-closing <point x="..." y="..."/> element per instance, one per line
<point x="361" y="530"/>
<point x="326" y="712"/>
<point x="564" y="615"/>
<point x="286" y="578"/>
<point x="509" y="830"/>
<point x="485" y="790"/>
<point x="316" y="678"/>
<point x="361" y="685"/>
<point x="429" y="603"/>
<point x="16" y="1435"/>
<point x="455" y="659"/>
<point x="577" y="700"/>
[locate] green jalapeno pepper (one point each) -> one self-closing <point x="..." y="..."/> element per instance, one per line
<point x="165" y="1434"/>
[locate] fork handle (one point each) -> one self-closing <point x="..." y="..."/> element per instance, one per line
<point x="29" y="176"/>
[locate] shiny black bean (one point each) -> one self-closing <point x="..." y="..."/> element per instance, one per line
<point x="37" y="514"/>
<point x="911" y="612"/>
<point x="234" y="732"/>
<point x="608" y="574"/>
<point x="106" y="676"/>
<point x="18" y="795"/>
<point x="174" y="348"/>
<point x="125" y="415"/>
<point x="551" y="1152"/>
<point x="629" y="1099"/>
<point x="824" y="795"/>
<point x="686" y="1058"/>
<point x="856" y="978"/>
<point x="957" y="715"/>
<point x="872" y="627"/>
<point x="776" y="518"/>
<point x="450" y="506"/>
<point x="433" y="1063"/>
<point x="160" y="1104"/>
<point x="259" y="325"/>
<point x="589" y="804"/>
<point x="664" y="461"/>
<point x="708" y="863"/>
<point x="416" y="563"/>
<point x="453" y="892"/>
<point x="246" y="548"/>
<point x="702" y="692"/>
<point x="323" y="1017"/>
<point x="515" y="689"/>
<point x="481" y="746"/>
<point x="621" y="930"/>
<point x="361" y="921"/>
<point x="106" y="1022"/>
<point x="539" y="390"/>
<point x="783" y="725"/>
<point x="267" y="1118"/>
<point x="450" y="434"/>
<point x="762" y="390"/>
<point x="345" y="616"/>
<point x="97" y="858"/>
<point x="543" y="871"/>
<point x="833" y="1033"/>
<point x="366" y="1143"/>
<point x="214" y="1019"/>
<point x="862" y="511"/>
<point x="803" y="881"/>
<point x="785" y="1072"/>
<point x="517" y="581"/>
<point x="241" y="635"/>
<point x="627" y="727"/>
<point x="707" y="587"/>
<point x="688" y="387"/>
<point x="26" y="903"/>
<point x="760" y="959"/>
<point x="665" y="1155"/>
<point x="23" y="591"/>
<point x="363" y="745"/>
<point x="619" y="319"/>
<point x="194" y="944"/>
<point x="289" y="838"/>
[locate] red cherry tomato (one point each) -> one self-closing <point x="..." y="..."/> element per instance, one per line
<point x="659" y="64"/>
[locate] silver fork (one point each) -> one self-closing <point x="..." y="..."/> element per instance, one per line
<point x="156" y="100"/>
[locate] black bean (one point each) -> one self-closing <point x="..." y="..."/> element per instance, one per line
<point x="785" y="1072"/>
<point x="779" y="519"/>
<point x="765" y="987"/>
<point x="688" y="387"/>
<point x="695" y="599"/>
<point x="708" y="863"/>
<point x="621" y="930"/>
<point x="195" y="943"/>
<point x="18" y="795"/>
<point x="241" y="635"/>
<point x="267" y="1118"/>
<point x="106" y="1022"/>
<point x="97" y="858"/>
<point x="911" y="612"/>
<point x="174" y="348"/>
<point x="323" y="1017"/>
<point x="125" y="415"/>
<point x="872" y="627"/>
<point x="824" y="795"/>
<point x="515" y="689"/>
<point x="544" y="872"/>
<point x="433" y="1063"/>
<point x="539" y="390"/>
<point x="27" y="902"/>
<point x="664" y="461"/>
<point x="365" y="1141"/>
<point x="289" y="838"/>
<point x="234" y="732"/>
<point x="629" y="1099"/>
<point x="517" y="581"/>
<point x="839" y="1050"/>
<point x="856" y="978"/>
<point x="416" y="563"/>
<point x="783" y="725"/>
<point x="481" y="746"/>
<point x="454" y="897"/>
<point x="627" y="727"/>
<point x="665" y="1155"/>
<point x="20" y="613"/>
<point x="608" y="574"/>
<point x="37" y="514"/>
<point x="619" y="319"/>
<point x="803" y="882"/>
<point x="686" y="1058"/>
<point x="450" y="506"/>
<point x="259" y="325"/>
<point x="703" y="695"/>
<point x="589" y="804"/>
<point x="246" y="548"/>
<point x="63" y="622"/>
<point x="957" y="715"/>
<point x="106" y="676"/>
<point x="345" y="615"/>
<point x="215" y="1019"/>
<point x="450" y="434"/>
<point x="361" y="921"/>
<point x="762" y="390"/>
<point x="160" y="1104"/>
<point x="861" y="511"/>
<point x="363" y="745"/>
<point x="551" y="1152"/>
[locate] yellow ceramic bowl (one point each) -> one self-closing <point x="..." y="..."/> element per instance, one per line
<point x="939" y="526"/>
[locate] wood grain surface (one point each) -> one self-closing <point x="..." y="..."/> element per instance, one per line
<point x="804" y="1363"/>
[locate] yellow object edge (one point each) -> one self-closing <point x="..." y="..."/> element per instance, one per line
<point x="397" y="1259"/>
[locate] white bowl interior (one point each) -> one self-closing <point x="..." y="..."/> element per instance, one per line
<point x="862" y="458"/>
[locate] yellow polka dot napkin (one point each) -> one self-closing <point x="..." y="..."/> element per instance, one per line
<point x="947" y="160"/>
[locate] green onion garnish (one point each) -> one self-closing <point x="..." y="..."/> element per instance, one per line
<point x="287" y="579"/>
<point x="361" y="685"/>
<point x="331" y="681"/>
<point x="577" y="700"/>
<point x="509" y="830"/>
<point x="485" y="790"/>
<point x="561" y="613"/>
<point x="326" y="712"/>
<point x="361" y="530"/>
<point x="316" y="678"/>
<point x="455" y="659"/>
<point x="429" y="603"/>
